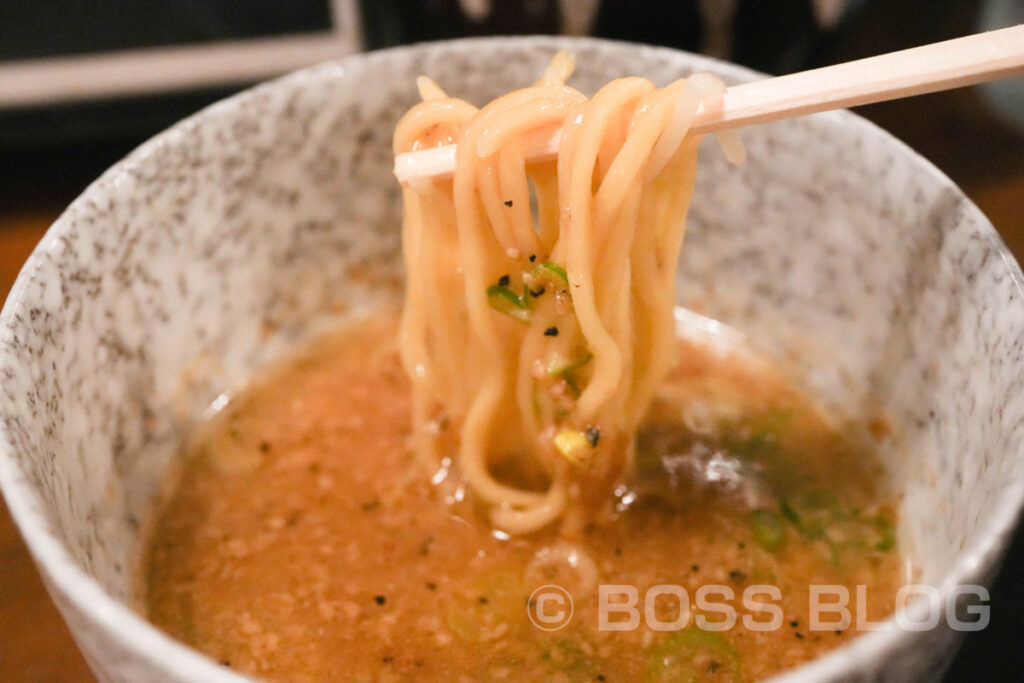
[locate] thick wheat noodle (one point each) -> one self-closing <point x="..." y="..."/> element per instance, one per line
<point x="516" y="189"/>
<point x="576" y="174"/>
<point x="529" y="115"/>
<point x="503" y="355"/>
<point x="430" y="114"/>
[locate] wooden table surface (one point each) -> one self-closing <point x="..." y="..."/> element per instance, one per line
<point x="36" y="646"/>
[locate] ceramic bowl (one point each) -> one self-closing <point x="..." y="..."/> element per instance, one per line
<point x="221" y="241"/>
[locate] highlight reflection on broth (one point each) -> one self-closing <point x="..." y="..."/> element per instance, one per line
<point x="400" y="498"/>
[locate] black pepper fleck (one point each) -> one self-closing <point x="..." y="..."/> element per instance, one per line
<point x="593" y="436"/>
<point x="551" y="332"/>
<point x="794" y="623"/>
<point x="504" y="280"/>
<point x="694" y="568"/>
<point x="799" y="635"/>
<point x="264" y="447"/>
<point x="380" y="599"/>
<point x="533" y="257"/>
<point x="536" y="293"/>
<point x="431" y="586"/>
<point x="508" y="202"/>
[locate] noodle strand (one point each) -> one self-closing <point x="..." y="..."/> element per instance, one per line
<point x="538" y="319"/>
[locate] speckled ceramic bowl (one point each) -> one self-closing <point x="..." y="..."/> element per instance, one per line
<point x="155" y="292"/>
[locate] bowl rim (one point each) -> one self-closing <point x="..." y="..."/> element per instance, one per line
<point x="136" y="634"/>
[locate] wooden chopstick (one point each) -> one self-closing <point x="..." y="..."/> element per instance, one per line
<point x="916" y="71"/>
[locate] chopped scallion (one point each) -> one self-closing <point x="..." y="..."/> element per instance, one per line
<point x="557" y="270"/>
<point x="694" y="655"/>
<point x="561" y="366"/>
<point x="768" y="529"/>
<point x="888" y="534"/>
<point x="570" y="382"/>
<point x="504" y="300"/>
<point x="549" y="273"/>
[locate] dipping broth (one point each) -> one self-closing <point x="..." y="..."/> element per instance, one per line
<point x="305" y="542"/>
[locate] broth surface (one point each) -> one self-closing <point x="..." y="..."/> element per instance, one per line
<point x="305" y="543"/>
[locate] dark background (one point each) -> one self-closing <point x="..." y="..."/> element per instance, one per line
<point x="49" y="154"/>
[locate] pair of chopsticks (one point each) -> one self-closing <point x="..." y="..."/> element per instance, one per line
<point x="929" y="68"/>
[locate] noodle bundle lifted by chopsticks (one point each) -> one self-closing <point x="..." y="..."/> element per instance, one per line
<point x="538" y="318"/>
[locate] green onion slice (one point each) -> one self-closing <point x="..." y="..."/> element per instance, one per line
<point x="504" y="300"/>
<point x="769" y="529"/>
<point x="557" y="270"/>
<point x="888" y="534"/>
<point x="550" y="273"/>
<point x="560" y="366"/>
<point x="694" y="655"/>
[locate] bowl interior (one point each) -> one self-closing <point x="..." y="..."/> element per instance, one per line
<point x="211" y="248"/>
